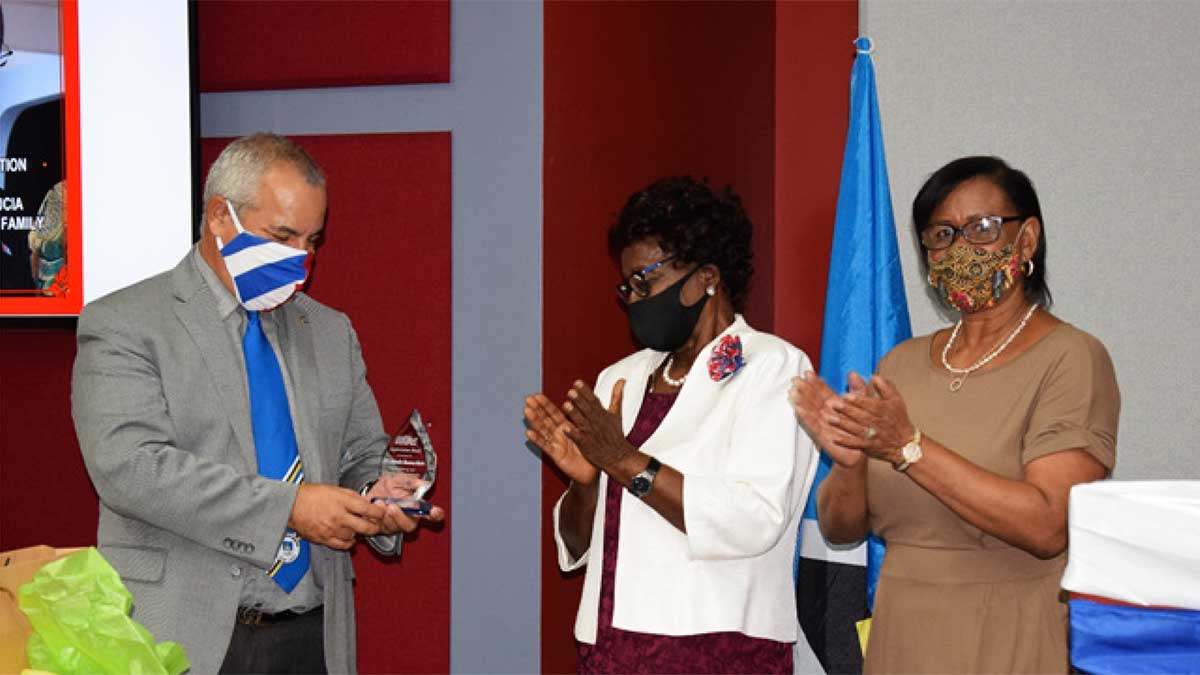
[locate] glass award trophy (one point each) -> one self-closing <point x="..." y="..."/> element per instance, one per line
<point x="411" y="452"/>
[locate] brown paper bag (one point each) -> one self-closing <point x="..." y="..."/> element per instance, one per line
<point x="17" y="567"/>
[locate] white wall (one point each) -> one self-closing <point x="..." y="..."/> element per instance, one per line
<point x="135" y="138"/>
<point x="1099" y="102"/>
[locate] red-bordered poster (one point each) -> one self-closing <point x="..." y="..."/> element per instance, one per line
<point x="41" y="267"/>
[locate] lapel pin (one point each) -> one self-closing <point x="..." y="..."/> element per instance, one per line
<point x="726" y="358"/>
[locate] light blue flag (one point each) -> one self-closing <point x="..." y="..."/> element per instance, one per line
<point x="866" y="313"/>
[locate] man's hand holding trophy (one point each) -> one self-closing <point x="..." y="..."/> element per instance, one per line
<point x="407" y="470"/>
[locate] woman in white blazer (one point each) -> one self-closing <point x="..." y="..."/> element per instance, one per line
<point x="691" y="571"/>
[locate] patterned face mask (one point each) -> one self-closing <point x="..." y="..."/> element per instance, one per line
<point x="970" y="279"/>
<point x="265" y="273"/>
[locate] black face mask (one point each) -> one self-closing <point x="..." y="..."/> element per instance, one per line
<point x="661" y="322"/>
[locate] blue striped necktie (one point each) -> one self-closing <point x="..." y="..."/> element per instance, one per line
<point x="274" y="441"/>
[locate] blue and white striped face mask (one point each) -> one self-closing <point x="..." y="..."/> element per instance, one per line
<point x="265" y="273"/>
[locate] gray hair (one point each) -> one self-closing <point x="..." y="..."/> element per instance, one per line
<point x="238" y="171"/>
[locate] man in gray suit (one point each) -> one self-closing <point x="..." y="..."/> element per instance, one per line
<point x="162" y="397"/>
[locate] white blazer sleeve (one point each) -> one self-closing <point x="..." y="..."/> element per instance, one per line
<point x="565" y="562"/>
<point x="743" y="508"/>
<point x="603" y="390"/>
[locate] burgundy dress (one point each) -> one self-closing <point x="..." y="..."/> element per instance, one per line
<point x="622" y="651"/>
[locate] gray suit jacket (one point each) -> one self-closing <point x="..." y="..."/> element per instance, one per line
<point x="160" y="403"/>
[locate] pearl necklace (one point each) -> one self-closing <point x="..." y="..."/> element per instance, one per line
<point x="962" y="373"/>
<point x="666" y="373"/>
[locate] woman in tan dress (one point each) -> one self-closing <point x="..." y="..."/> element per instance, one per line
<point x="962" y="449"/>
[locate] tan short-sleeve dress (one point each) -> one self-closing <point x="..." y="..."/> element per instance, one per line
<point x="952" y="599"/>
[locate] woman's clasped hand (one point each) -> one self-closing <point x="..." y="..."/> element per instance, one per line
<point x="580" y="436"/>
<point x="870" y="420"/>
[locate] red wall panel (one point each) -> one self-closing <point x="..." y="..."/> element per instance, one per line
<point x="386" y="263"/>
<point x="753" y="94"/>
<point x="287" y="44"/>
<point x="812" y="103"/>
<point x="46" y="496"/>
<point x="634" y="92"/>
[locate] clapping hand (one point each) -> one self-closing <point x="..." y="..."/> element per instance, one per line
<point x="813" y="403"/>
<point x="874" y="422"/>
<point x="596" y="430"/>
<point x="546" y="428"/>
<point x="583" y="436"/>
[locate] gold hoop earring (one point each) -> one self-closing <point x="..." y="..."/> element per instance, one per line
<point x="1029" y="264"/>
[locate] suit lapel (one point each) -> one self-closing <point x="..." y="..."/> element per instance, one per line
<point x="697" y="399"/>
<point x="198" y="313"/>
<point x="296" y="336"/>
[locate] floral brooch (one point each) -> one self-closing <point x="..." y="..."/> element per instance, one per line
<point x="726" y="358"/>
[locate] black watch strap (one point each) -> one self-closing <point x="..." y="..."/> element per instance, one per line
<point x="642" y="483"/>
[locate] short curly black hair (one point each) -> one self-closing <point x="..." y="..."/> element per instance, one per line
<point x="696" y="224"/>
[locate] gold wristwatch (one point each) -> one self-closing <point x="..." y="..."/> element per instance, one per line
<point x="911" y="452"/>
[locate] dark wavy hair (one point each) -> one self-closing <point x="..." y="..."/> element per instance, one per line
<point x="1015" y="185"/>
<point x="693" y="222"/>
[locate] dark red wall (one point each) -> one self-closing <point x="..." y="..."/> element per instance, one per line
<point x="634" y="92"/>
<point x="749" y="93"/>
<point x="46" y="496"/>
<point x="387" y="264"/>
<point x="814" y="53"/>
<point x="286" y="44"/>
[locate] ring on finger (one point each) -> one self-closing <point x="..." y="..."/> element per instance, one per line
<point x="869" y="433"/>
